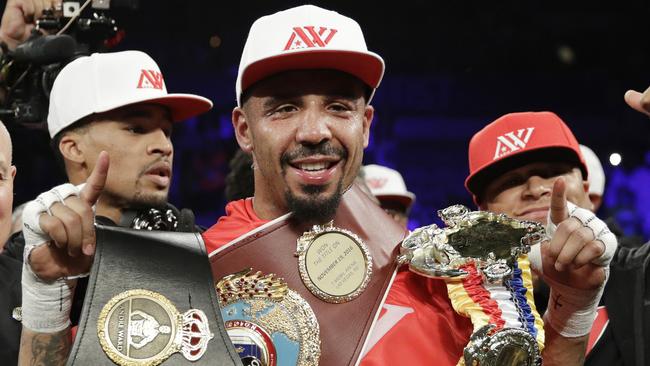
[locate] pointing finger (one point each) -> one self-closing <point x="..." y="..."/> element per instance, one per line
<point x="97" y="180"/>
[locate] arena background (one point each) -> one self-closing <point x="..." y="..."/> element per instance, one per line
<point x="452" y="67"/>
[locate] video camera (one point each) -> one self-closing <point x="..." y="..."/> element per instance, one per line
<point x="76" y="28"/>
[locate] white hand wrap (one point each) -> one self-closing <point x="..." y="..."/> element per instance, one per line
<point x="32" y="231"/>
<point x="596" y="225"/>
<point x="46" y="306"/>
<point x="571" y="312"/>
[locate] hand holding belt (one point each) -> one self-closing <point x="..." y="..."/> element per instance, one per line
<point x="482" y="257"/>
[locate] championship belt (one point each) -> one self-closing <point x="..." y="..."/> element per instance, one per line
<point x="297" y="295"/>
<point x="482" y="258"/>
<point x="150" y="300"/>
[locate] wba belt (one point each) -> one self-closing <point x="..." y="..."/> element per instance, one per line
<point x="150" y="299"/>
<point x="295" y="295"/>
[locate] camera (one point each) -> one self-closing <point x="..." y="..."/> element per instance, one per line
<point x="74" y="29"/>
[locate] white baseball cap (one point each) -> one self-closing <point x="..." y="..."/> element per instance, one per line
<point x="596" y="175"/>
<point x="306" y="37"/>
<point x="105" y="81"/>
<point x="387" y="183"/>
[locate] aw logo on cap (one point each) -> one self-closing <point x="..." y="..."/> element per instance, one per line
<point x="512" y="141"/>
<point x="150" y="79"/>
<point x="376" y="183"/>
<point x="308" y="37"/>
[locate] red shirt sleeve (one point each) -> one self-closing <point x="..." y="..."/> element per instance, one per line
<point x="240" y="218"/>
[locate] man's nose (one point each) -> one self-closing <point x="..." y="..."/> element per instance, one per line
<point x="537" y="186"/>
<point x="314" y="127"/>
<point x="160" y="143"/>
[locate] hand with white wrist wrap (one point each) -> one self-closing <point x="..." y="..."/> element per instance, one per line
<point x="574" y="263"/>
<point x="59" y="232"/>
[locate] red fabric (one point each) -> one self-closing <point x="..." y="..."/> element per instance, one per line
<point x="597" y="330"/>
<point x="73" y="333"/>
<point x="240" y="218"/>
<point x="481" y="296"/>
<point x="417" y="325"/>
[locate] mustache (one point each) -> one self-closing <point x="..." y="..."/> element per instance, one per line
<point x="305" y="151"/>
<point x="157" y="161"/>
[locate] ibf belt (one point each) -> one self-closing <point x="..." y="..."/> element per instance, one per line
<point x="150" y="300"/>
<point x="482" y="257"/>
<point x="297" y="295"/>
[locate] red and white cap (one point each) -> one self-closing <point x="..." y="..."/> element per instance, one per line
<point x="106" y="81"/>
<point x="306" y="37"/>
<point x="387" y="184"/>
<point x="517" y="139"/>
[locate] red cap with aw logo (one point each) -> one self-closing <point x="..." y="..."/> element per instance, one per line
<point x="518" y="139"/>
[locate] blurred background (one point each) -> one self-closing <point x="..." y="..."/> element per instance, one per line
<point x="452" y="67"/>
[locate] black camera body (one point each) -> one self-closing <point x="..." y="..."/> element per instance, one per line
<point x="28" y="72"/>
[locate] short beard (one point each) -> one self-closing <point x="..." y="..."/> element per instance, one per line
<point x="313" y="210"/>
<point x="139" y="201"/>
<point x="142" y="200"/>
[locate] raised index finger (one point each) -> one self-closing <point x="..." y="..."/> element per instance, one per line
<point x="559" y="210"/>
<point x="97" y="180"/>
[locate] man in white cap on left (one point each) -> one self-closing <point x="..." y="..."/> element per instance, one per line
<point x="104" y="106"/>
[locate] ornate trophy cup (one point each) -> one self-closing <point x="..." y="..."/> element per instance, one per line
<point x="483" y="259"/>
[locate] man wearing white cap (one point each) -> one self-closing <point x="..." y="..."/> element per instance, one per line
<point x="596" y="176"/>
<point x="104" y="106"/>
<point x="303" y="91"/>
<point x="388" y="186"/>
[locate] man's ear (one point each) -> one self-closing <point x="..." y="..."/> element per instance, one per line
<point x="368" y="114"/>
<point x="71" y="147"/>
<point x="242" y="129"/>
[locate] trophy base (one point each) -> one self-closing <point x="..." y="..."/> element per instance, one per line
<point x="506" y="347"/>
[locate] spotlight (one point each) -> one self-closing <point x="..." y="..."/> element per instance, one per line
<point x="615" y="159"/>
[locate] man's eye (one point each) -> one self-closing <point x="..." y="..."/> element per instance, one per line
<point x="283" y="109"/>
<point x="512" y="182"/>
<point x="552" y="172"/>
<point x="337" y="107"/>
<point x="136" y="130"/>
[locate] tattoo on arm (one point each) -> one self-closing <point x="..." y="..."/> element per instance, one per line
<point x="46" y="349"/>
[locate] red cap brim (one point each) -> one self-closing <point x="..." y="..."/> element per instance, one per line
<point x="368" y="67"/>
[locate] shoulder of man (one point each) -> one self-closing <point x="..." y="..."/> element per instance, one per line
<point x="10" y="298"/>
<point x="10" y="270"/>
<point x="15" y="246"/>
<point x="627" y="258"/>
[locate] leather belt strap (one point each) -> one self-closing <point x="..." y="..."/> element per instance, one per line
<point x="344" y="327"/>
<point x="174" y="265"/>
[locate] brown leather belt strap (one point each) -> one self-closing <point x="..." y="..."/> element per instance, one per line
<point x="343" y="327"/>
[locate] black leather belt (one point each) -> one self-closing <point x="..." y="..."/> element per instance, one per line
<point x="151" y="300"/>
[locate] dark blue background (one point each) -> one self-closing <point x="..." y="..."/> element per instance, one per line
<point x="451" y="69"/>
